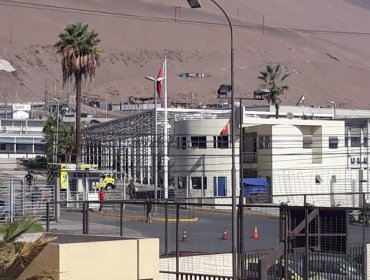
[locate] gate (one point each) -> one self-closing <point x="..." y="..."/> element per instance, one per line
<point x="19" y="200"/>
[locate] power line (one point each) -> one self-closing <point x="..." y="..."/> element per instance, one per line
<point x="177" y="20"/>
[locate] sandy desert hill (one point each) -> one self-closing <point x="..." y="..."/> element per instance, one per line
<point x="326" y="42"/>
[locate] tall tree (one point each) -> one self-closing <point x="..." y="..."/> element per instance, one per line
<point x="67" y="143"/>
<point x="272" y="78"/>
<point x="50" y="134"/>
<point x="80" y="52"/>
<point x="66" y="139"/>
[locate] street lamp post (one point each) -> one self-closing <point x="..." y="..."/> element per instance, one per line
<point x="56" y="142"/>
<point x="155" y="81"/>
<point x="196" y="4"/>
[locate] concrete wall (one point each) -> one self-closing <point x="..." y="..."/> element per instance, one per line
<point x="114" y="259"/>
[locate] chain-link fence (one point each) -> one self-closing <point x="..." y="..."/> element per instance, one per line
<point x="274" y="241"/>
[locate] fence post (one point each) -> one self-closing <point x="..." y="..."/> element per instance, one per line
<point x="57" y="198"/>
<point x="87" y="217"/>
<point x="11" y="200"/>
<point x="166" y="228"/>
<point x="47" y="215"/>
<point x="306" y="238"/>
<point x="83" y="218"/>
<point x="121" y="220"/>
<point x="365" y="223"/>
<point x="286" y="241"/>
<point x="177" y="240"/>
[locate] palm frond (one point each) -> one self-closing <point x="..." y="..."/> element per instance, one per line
<point x="18" y="227"/>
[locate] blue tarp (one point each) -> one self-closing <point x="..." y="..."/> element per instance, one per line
<point x="252" y="186"/>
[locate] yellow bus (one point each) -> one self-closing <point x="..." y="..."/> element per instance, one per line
<point x="73" y="178"/>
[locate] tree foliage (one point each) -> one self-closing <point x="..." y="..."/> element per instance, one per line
<point x="65" y="139"/>
<point x="15" y="256"/>
<point x="80" y="52"/>
<point x="272" y="78"/>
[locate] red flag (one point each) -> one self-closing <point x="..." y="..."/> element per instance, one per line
<point x="159" y="83"/>
<point x="225" y="130"/>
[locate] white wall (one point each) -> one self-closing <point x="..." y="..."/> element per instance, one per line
<point x="209" y="162"/>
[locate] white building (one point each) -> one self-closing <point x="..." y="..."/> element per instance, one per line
<point x="203" y="158"/>
<point x="303" y="152"/>
<point x="300" y="157"/>
<point x="21" y="138"/>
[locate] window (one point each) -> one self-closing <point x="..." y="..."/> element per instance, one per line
<point x="221" y="142"/>
<point x="358" y="160"/>
<point x="353" y="160"/>
<point x="2" y="147"/>
<point x="22" y="147"/>
<point x="365" y="141"/>
<point x="318" y="179"/>
<point x="264" y="142"/>
<point x="250" y="173"/>
<point x="182" y="182"/>
<point x="181" y="143"/>
<point x="355" y="141"/>
<point x="333" y="142"/>
<point x="307" y="142"/>
<point x="39" y="147"/>
<point x="365" y="160"/>
<point x="199" y="142"/>
<point x="196" y="183"/>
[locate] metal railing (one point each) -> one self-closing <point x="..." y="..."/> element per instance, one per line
<point x="194" y="236"/>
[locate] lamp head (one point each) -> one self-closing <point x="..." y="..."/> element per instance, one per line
<point x="194" y="3"/>
<point x="150" y="78"/>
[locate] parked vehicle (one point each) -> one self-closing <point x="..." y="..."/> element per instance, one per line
<point x="357" y="216"/>
<point x="333" y="267"/>
<point x="295" y="271"/>
<point x="71" y="177"/>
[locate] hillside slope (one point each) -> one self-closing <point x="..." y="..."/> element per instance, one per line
<point x="325" y="41"/>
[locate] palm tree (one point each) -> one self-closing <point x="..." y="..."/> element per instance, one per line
<point x="67" y="142"/>
<point x="16" y="256"/>
<point x="66" y="139"/>
<point x="50" y="133"/>
<point x="80" y="52"/>
<point x="272" y="77"/>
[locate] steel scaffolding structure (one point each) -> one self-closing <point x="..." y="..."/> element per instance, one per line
<point x="127" y="145"/>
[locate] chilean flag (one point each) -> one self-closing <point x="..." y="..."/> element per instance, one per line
<point x="225" y="130"/>
<point x="159" y="83"/>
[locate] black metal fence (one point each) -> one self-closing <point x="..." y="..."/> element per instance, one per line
<point x="274" y="241"/>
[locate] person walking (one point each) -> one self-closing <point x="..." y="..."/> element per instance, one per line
<point x="131" y="190"/>
<point x="149" y="206"/>
<point x="101" y="196"/>
<point x="29" y="178"/>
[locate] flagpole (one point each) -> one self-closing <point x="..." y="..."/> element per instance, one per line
<point x="155" y="144"/>
<point x="165" y="146"/>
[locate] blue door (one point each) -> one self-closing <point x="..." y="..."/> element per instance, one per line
<point x="219" y="186"/>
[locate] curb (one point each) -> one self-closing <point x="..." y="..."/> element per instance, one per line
<point x="228" y="212"/>
<point x="141" y="218"/>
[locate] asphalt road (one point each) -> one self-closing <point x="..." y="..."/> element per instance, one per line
<point x="203" y="236"/>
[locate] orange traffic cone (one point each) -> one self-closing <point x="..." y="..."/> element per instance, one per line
<point x="224" y="235"/>
<point x="255" y="233"/>
<point x="184" y="236"/>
